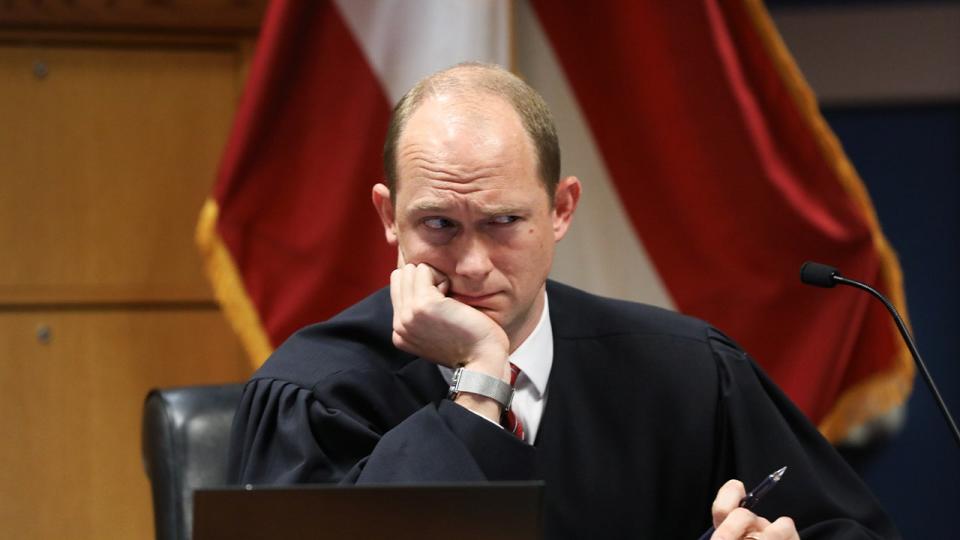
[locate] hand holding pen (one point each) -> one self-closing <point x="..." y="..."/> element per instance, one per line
<point x="734" y="523"/>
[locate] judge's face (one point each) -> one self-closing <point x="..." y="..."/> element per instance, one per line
<point x="470" y="203"/>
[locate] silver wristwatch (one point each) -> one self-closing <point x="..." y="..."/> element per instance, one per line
<point x="481" y="384"/>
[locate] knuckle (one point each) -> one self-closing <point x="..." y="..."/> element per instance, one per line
<point x="419" y="309"/>
<point x="785" y="523"/>
<point x="736" y="484"/>
<point x="412" y="312"/>
<point x="724" y="532"/>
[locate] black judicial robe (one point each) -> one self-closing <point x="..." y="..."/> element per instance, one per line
<point x="648" y="413"/>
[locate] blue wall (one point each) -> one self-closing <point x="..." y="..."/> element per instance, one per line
<point x="909" y="158"/>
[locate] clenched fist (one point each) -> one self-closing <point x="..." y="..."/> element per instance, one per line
<point x="435" y="327"/>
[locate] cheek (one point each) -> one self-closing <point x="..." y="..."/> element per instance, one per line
<point x="416" y="252"/>
<point x="528" y="258"/>
<point x="538" y="239"/>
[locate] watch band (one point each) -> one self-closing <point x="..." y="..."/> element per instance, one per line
<point x="478" y="383"/>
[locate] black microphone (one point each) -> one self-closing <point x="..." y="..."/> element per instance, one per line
<point x="821" y="275"/>
<point x="818" y="275"/>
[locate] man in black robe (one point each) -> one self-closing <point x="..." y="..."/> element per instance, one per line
<point x="636" y="417"/>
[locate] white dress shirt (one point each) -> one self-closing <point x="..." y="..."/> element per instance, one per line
<point x="534" y="357"/>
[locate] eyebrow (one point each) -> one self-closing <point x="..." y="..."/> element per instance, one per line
<point x="430" y="206"/>
<point x="489" y="209"/>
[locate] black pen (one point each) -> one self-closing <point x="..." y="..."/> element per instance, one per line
<point x="754" y="496"/>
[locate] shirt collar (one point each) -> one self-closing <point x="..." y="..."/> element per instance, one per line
<point x="534" y="356"/>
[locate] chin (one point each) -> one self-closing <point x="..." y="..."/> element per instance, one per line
<point x="494" y="314"/>
<point x="497" y="316"/>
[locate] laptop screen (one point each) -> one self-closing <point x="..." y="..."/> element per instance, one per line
<point x="501" y="510"/>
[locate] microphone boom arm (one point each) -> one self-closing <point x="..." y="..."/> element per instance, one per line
<point x="911" y="345"/>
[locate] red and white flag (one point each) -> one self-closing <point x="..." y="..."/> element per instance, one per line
<point x="709" y="176"/>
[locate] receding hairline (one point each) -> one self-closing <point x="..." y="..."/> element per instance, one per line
<point x="476" y="115"/>
<point x="481" y="80"/>
<point x="470" y="78"/>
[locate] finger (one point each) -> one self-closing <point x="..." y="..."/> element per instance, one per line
<point x="395" y="296"/>
<point x="728" y="498"/>
<point x="781" y="529"/>
<point x="738" y="522"/>
<point x="424" y="286"/>
<point x="405" y="301"/>
<point x="402" y="344"/>
<point x="395" y="289"/>
<point x="438" y="278"/>
<point x="430" y="277"/>
<point x="408" y="284"/>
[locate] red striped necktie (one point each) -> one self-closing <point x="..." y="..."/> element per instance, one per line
<point x="510" y="420"/>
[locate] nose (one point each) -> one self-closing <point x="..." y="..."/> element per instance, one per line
<point x="474" y="261"/>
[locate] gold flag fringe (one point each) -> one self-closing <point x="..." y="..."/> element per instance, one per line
<point x="228" y="287"/>
<point x="880" y="393"/>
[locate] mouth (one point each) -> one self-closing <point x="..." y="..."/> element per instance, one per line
<point x="478" y="301"/>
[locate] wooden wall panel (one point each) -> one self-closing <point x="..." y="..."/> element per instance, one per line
<point x="106" y="154"/>
<point x="111" y="135"/>
<point x="206" y="16"/>
<point x="71" y="431"/>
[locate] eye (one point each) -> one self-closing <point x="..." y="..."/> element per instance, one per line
<point x="437" y="223"/>
<point x="504" y="220"/>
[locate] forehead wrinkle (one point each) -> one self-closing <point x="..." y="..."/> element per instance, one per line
<point x="453" y="174"/>
<point x="433" y="166"/>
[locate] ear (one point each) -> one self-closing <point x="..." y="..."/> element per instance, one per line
<point x="384" y="206"/>
<point x="564" y="204"/>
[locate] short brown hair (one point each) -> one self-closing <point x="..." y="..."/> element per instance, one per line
<point x="485" y="79"/>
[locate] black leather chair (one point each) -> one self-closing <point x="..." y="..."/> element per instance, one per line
<point x="185" y="436"/>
